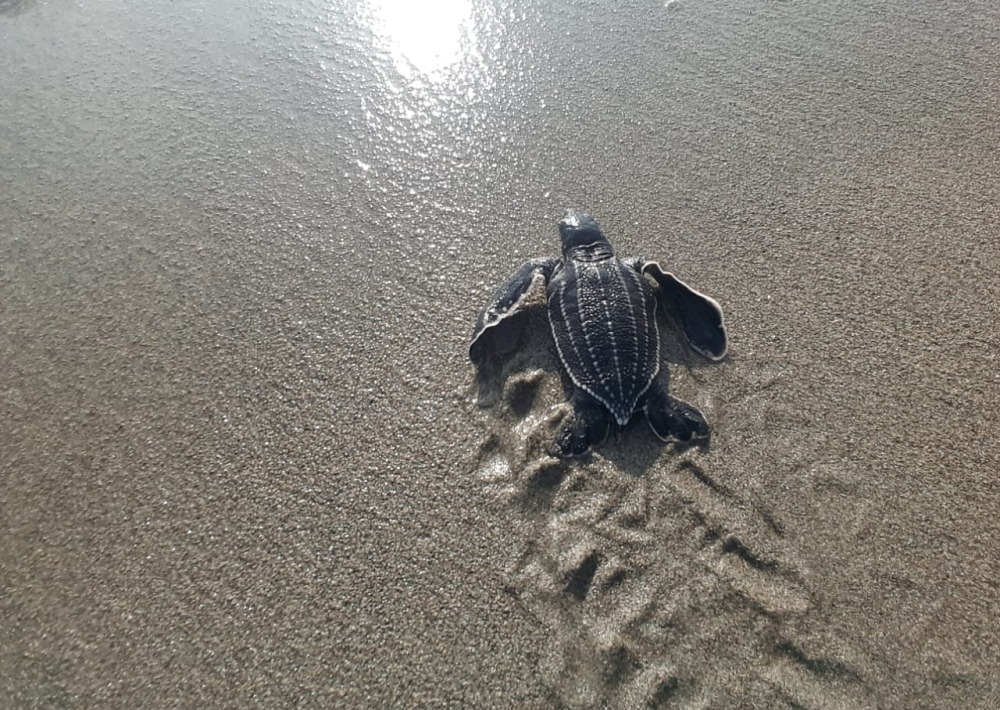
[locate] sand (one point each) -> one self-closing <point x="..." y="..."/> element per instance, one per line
<point x="242" y="461"/>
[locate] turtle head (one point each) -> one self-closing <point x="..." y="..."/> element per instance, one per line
<point x="579" y="229"/>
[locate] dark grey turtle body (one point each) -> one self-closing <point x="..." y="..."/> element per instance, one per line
<point x="603" y="316"/>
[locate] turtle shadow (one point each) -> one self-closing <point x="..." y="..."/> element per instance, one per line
<point x="675" y="348"/>
<point x="634" y="449"/>
<point x="519" y="344"/>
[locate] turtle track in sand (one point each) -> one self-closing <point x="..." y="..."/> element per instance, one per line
<point x="660" y="586"/>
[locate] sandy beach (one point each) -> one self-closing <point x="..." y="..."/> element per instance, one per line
<point x="244" y="458"/>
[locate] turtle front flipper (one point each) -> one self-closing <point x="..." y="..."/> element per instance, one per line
<point x="507" y="300"/>
<point x="672" y="419"/>
<point x="586" y="428"/>
<point x="698" y="315"/>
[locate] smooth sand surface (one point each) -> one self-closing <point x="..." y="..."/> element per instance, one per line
<point x="241" y="459"/>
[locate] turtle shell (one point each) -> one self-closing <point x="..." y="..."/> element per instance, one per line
<point x="603" y="317"/>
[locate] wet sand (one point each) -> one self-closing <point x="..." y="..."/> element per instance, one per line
<point x="241" y="458"/>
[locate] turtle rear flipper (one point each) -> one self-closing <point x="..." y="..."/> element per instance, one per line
<point x="506" y="301"/>
<point x="587" y="427"/>
<point x="672" y="419"/>
<point x="698" y="315"/>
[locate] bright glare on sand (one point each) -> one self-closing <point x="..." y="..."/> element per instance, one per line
<point x="423" y="38"/>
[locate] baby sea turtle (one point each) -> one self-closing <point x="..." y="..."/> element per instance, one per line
<point x="602" y="311"/>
